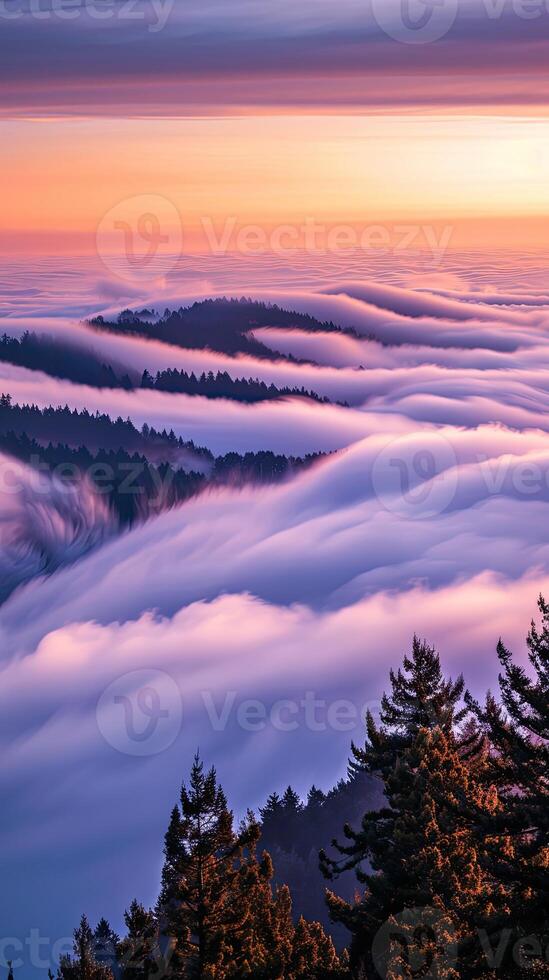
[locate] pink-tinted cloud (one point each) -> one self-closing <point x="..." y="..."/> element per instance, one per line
<point x="427" y="520"/>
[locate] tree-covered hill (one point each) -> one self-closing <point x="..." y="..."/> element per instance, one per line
<point x="83" y="366"/>
<point x="60" y="359"/>
<point x="140" y="473"/>
<point x="218" y="324"/>
<point x="221" y="385"/>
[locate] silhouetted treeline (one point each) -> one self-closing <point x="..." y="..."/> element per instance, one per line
<point x="263" y="466"/>
<point x="60" y="359"/>
<point x="219" y="324"/>
<point x="218" y="914"/>
<point x="221" y="385"/>
<point x="294" y="832"/>
<point x="95" y="430"/>
<point x="82" y="366"/>
<point x="443" y="820"/>
<point x="134" y="486"/>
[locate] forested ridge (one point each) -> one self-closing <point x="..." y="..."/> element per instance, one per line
<point x="92" y="429"/>
<point x="443" y="822"/>
<point x="219" y="324"/>
<point x="83" y="366"/>
<point x="61" y="359"/>
<point x="140" y="473"/>
<point x="221" y="385"/>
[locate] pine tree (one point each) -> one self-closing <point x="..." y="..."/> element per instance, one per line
<point x="262" y="946"/>
<point x="198" y="875"/>
<point x="420" y="698"/>
<point x="272" y="809"/>
<point x="426" y="876"/>
<point x="142" y="953"/>
<point x="291" y="802"/>
<point x="217" y="906"/>
<point x="313" y="954"/>
<point x="268" y="945"/>
<point x="83" y="965"/>
<point x="315" y="799"/>
<point x="518" y="730"/>
<point x="105" y="945"/>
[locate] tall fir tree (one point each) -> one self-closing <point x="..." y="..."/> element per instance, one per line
<point x="142" y="953"/>
<point x="217" y="906"/>
<point x="201" y="850"/>
<point x="518" y="730"/>
<point x="83" y="964"/>
<point x="420" y="697"/>
<point x="313" y="955"/>
<point x="270" y="946"/>
<point x="105" y="945"/>
<point x="426" y="892"/>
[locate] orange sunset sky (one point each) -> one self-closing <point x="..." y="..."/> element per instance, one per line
<point x="486" y="175"/>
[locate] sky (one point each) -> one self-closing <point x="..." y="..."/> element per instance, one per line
<point x="383" y="164"/>
<point x="223" y="116"/>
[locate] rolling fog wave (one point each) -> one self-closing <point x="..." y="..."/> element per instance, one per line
<point x="429" y="517"/>
<point x="45" y="523"/>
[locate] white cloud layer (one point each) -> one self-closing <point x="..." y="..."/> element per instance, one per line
<point x="430" y="518"/>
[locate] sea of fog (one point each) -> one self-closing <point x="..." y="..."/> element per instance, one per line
<point x="260" y="621"/>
